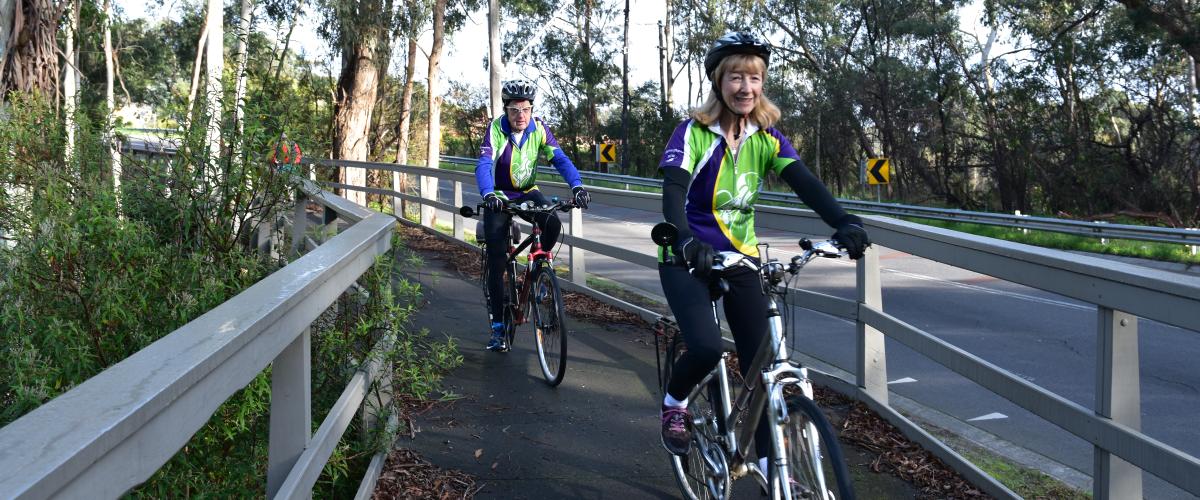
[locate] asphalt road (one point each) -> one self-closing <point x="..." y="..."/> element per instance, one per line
<point x="1042" y="337"/>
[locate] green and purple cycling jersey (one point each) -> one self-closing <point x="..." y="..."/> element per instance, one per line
<point x="725" y="183"/>
<point x="507" y="165"/>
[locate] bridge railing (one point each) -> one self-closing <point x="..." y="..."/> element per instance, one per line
<point x="1121" y="293"/>
<point x="113" y="431"/>
<point x="1096" y="229"/>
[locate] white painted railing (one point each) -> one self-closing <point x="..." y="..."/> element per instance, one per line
<point x="115" y="430"/>
<point x="1121" y="293"/>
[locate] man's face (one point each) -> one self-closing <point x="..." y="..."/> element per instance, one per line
<point x="519" y="113"/>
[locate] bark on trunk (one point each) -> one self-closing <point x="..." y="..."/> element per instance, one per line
<point x="433" y="159"/>
<point x="70" y="81"/>
<point x="358" y="87"/>
<point x="400" y="181"/>
<point x="495" y="63"/>
<point x="215" y="64"/>
<point x="30" y="63"/>
<point x="239" y="92"/>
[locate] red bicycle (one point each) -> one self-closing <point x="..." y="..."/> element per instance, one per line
<point x="534" y="290"/>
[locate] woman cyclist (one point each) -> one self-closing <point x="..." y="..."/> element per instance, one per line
<point x="713" y="168"/>
<point x="507" y="172"/>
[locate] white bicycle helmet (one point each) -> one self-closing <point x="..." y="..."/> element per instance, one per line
<point x="518" y="90"/>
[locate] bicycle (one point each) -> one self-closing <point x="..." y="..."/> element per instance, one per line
<point x="537" y="288"/>
<point x="805" y="455"/>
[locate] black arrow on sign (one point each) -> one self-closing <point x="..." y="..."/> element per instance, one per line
<point x="606" y="152"/>
<point x="877" y="171"/>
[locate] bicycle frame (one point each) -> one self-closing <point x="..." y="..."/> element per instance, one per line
<point x="520" y="297"/>
<point x="769" y="373"/>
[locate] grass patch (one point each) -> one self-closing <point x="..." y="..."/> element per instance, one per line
<point x="1026" y="482"/>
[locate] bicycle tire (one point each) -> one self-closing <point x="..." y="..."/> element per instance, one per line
<point x="549" y="323"/>
<point x="815" y="459"/>
<point x="510" y="306"/>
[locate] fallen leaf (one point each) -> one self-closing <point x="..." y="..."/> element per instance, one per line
<point x="478" y="453"/>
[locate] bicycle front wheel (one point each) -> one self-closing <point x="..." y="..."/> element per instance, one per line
<point x="549" y="324"/>
<point x="816" y="467"/>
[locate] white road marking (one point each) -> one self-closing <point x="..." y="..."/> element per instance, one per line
<point x="989" y="416"/>
<point x="905" y="380"/>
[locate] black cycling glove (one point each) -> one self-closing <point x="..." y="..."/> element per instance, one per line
<point x="581" y="196"/>
<point x="493" y="202"/>
<point x="699" y="256"/>
<point x="851" y="236"/>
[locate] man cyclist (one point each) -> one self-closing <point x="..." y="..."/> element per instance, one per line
<point x="506" y="173"/>
<point x="713" y="167"/>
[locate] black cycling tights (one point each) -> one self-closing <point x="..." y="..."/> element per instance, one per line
<point x="746" y="313"/>
<point x="495" y="229"/>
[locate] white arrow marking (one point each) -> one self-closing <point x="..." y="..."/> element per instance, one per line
<point x="904" y="380"/>
<point x="989" y="416"/>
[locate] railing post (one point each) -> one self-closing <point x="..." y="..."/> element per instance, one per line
<point x="872" y="357"/>
<point x="1118" y="397"/>
<point x="299" y="224"/>
<point x="458" y="219"/>
<point x="578" y="271"/>
<point x="428" y="193"/>
<point x="291" y="410"/>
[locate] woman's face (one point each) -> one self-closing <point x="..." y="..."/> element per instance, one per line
<point x="741" y="89"/>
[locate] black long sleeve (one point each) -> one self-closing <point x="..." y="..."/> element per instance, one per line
<point x="674" y="190"/>
<point x="813" y="193"/>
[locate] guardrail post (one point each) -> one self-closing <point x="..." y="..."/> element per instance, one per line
<point x="872" y="357"/>
<point x="1195" y="248"/>
<point x="429" y="192"/>
<point x="299" y="224"/>
<point x="1118" y="397"/>
<point x="291" y="410"/>
<point x="578" y="272"/>
<point x="458" y="219"/>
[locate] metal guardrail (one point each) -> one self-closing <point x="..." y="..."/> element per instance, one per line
<point x="1120" y="292"/>
<point x="1075" y="227"/>
<point x="116" y="429"/>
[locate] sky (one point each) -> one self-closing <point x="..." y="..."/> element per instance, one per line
<point x="466" y="49"/>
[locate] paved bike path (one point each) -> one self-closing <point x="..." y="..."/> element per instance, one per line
<point x="594" y="436"/>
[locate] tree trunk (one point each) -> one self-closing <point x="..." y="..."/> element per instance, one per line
<point x="110" y="101"/>
<point x="670" y="51"/>
<point x="70" y="76"/>
<point x="215" y="65"/>
<point x="239" y="93"/>
<point x="495" y="63"/>
<point x="196" y="72"/>
<point x="625" y="96"/>
<point x="662" y="73"/>
<point x="357" y="90"/>
<point x="433" y="159"/>
<point x="286" y="41"/>
<point x="400" y="181"/>
<point x="31" y="63"/>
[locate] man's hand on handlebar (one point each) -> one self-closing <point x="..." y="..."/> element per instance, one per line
<point x="580" y="196"/>
<point x="493" y="202"/>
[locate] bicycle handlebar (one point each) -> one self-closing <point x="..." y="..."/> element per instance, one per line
<point x="519" y="208"/>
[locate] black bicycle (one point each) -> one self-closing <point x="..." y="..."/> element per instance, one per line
<point x="534" y="290"/>
<point x="806" y="460"/>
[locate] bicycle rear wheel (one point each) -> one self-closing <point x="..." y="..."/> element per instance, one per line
<point x="549" y="323"/>
<point x="703" y="474"/>
<point x="816" y="466"/>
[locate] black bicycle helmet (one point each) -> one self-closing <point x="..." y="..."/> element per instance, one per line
<point x="518" y="90"/>
<point x="735" y="42"/>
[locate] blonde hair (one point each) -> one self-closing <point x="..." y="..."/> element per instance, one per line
<point x="765" y="112"/>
